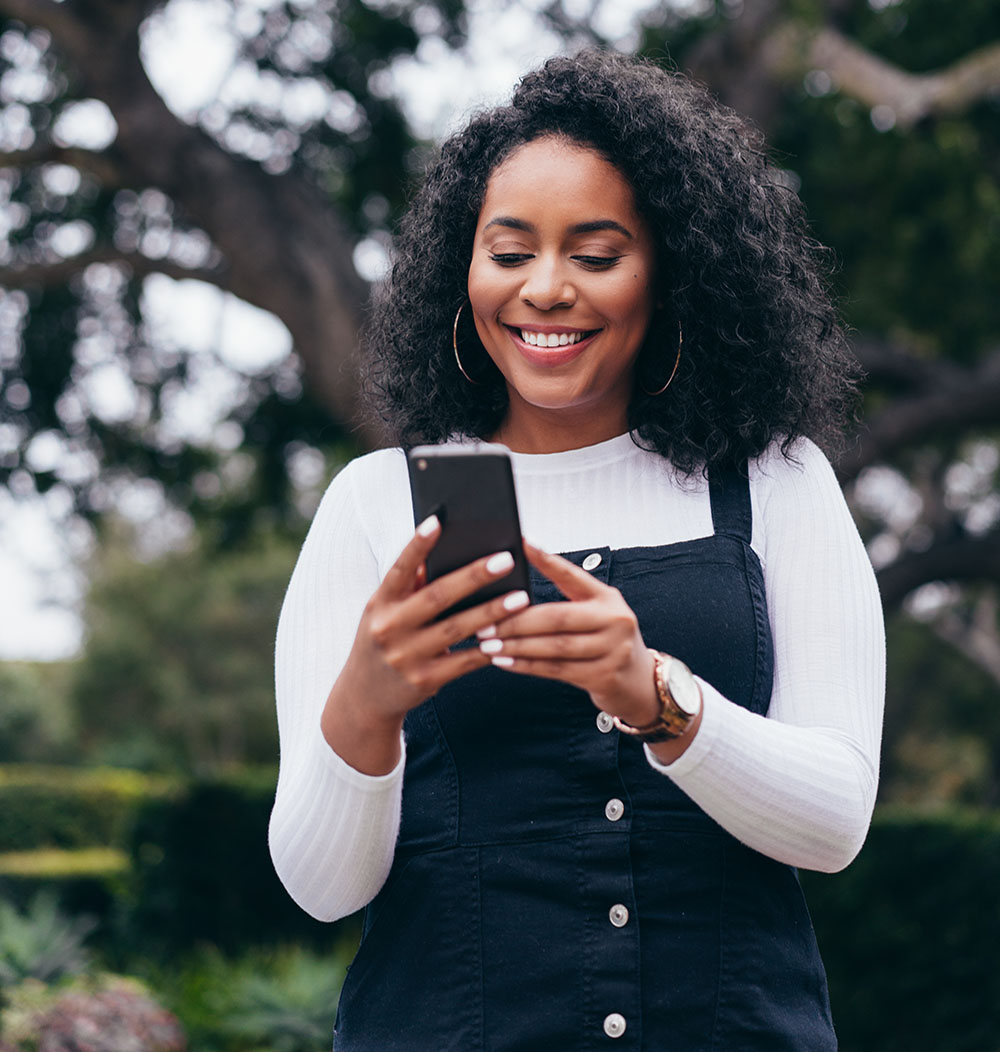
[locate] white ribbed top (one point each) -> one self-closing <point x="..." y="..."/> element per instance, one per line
<point x="798" y="785"/>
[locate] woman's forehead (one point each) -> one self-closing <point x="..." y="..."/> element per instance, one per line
<point x="554" y="175"/>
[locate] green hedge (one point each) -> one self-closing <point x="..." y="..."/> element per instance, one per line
<point x="91" y="881"/>
<point x="67" y="807"/>
<point x="910" y="935"/>
<point x="202" y="871"/>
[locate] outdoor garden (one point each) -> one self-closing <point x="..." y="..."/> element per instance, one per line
<point x="139" y="911"/>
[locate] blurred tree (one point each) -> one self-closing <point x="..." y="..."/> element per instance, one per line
<point x="36" y="720"/>
<point x="264" y="196"/>
<point x="177" y="671"/>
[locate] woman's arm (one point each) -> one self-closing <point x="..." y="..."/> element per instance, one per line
<point x="800" y="785"/>
<point x="333" y="830"/>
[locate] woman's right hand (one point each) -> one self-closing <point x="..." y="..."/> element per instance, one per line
<point x="401" y="654"/>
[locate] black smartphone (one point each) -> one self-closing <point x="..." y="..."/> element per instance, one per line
<point x="471" y="490"/>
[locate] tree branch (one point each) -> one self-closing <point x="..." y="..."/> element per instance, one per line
<point x="975" y="638"/>
<point x="962" y="399"/>
<point x="50" y="275"/>
<point x="956" y="559"/>
<point x="99" y="164"/>
<point x="793" y="49"/>
<point x="58" y="19"/>
<point x="883" y="360"/>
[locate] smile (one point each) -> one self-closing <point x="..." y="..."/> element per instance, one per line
<point x="552" y="339"/>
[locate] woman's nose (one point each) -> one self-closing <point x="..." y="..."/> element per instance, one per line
<point x="547" y="285"/>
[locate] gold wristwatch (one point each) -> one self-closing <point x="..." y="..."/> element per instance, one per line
<point x="680" y="701"/>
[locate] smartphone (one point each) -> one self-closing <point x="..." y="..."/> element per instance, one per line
<point x="471" y="490"/>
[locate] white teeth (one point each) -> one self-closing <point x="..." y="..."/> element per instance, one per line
<point x="541" y="339"/>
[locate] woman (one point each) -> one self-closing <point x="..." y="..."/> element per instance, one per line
<point x="574" y="840"/>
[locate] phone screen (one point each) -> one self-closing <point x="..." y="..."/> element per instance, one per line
<point x="471" y="490"/>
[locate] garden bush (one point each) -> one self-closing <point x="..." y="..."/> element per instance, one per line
<point x="909" y="933"/>
<point x="202" y="871"/>
<point x="91" y="881"/>
<point x="67" y="807"/>
<point x="105" y="1013"/>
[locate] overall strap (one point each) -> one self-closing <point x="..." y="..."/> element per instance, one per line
<point x="729" y="491"/>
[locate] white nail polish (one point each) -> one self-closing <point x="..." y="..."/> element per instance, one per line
<point x="487" y="632"/>
<point x="502" y="661"/>
<point x="491" y="646"/>
<point x="500" y="563"/>
<point x="428" y="526"/>
<point x="515" y="601"/>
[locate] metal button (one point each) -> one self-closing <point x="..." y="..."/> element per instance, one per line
<point x="604" y="722"/>
<point x="592" y="561"/>
<point x="614" y="1025"/>
<point x="614" y="809"/>
<point x="618" y="915"/>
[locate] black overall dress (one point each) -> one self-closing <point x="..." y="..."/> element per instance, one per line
<point x="551" y="892"/>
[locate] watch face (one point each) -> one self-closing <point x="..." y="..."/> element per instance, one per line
<point x="683" y="688"/>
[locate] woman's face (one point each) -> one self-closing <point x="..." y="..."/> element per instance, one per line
<point x="561" y="288"/>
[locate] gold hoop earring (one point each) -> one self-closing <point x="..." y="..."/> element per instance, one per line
<point x="454" y="343"/>
<point x="673" y="372"/>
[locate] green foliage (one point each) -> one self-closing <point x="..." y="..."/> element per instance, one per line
<point x="177" y="673"/>
<point x="56" y="863"/>
<point x="203" y="872"/>
<point x="106" y="1013"/>
<point x="281" y="1000"/>
<point x="65" y="807"/>
<point x="909" y="935"/>
<point x="36" y="723"/>
<point x="41" y="943"/>
<point x="937" y="754"/>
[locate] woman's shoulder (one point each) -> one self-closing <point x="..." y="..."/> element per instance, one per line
<point x="372" y="469"/>
<point x="796" y="486"/>
<point x="370" y="493"/>
<point x="802" y="461"/>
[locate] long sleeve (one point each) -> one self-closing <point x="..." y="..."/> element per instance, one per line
<point x="799" y="785"/>
<point x="333" y="829"/>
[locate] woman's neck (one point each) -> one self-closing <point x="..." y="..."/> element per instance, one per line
<point x="557" y="432"/>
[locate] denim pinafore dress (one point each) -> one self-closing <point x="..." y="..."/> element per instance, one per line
<point x="551" y="892"/>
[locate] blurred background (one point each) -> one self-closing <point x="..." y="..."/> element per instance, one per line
<point x="195" y="198"/>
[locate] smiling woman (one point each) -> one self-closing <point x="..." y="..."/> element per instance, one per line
<point x="575" y="820"/>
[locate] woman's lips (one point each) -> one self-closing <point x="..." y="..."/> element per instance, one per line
<point x="551" y="356"/>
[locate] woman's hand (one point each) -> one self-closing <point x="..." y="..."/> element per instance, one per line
<point x="401" y="653"/>
<point x="592" y="641"/>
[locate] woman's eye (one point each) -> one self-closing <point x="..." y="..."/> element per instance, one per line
<point x="509" y="259"/>
<point x="598" y="262"/>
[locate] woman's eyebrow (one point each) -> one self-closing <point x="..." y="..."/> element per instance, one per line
<point x="590" y="227"/>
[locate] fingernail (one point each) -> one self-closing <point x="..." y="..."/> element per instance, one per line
<point x="500" y="563"/>
<point x="491" y="646"/>
<point x="515" y="601"/>
<point x="503" y="661"/>
<point x="486" y="632"/>
<point x="428" y="526"/>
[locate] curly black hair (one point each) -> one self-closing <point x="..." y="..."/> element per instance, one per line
<point x="764" y="357"/>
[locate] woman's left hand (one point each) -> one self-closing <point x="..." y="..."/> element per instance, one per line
<point x="592" y="641"/>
